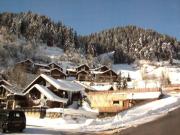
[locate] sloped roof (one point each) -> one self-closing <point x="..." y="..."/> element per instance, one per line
<point x="82" y="71"/>
<point x="8" y="89"/>
<point x="97" y="69"/>
<point x="4" y="82"/>
<point x="70" y="86"/>
<point x="25" y="61"/>
<point x="48" y="93"/>
<point x="58" y="84"/>
<point x="55" y="64"/>
<point x="58" y="70"/>
<point x="82" y="66"/>
<point x="100" y="72"/>
<point x="42" y="65"/>
<point x="109" y="71"/>
<point x="99" y="87"/>
<point x="71" y="69"/>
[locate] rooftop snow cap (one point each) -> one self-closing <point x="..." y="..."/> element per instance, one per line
<point x="58" y="84"/>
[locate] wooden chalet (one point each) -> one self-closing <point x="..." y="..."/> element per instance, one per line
<point x="40" y="66"/>
<point x="44" y="71"/>
<point x="106" y="76"/>
<point x="83" y="67"/>
<point x="71" y="72"/>
<point x="83" y="76"/>
<point x="54" y="65"/>
<point x="55" y="73"/>
<point x="27" y="65"/>
<point x="41" y="96"/>
<point x="49" y="92"/>
<point x="115" y="101"/>
<point x="102" y="68"/>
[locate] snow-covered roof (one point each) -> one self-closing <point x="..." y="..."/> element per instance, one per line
<point x="97" y="69"/>
<point x="25" y="61"/>
<point x="4" y="82"/>
<point x="71" y="69"/>
<point x="109" y="71"/>
<point x="82" y="71"/>
<point x="100" y="72"/>
<point x="48" y="93"/>
<point x="101" y="87"/>
<point x="70" y="86"/>
<point x="44" y="70"/>
<point x="54" y="64"/>
<point x="58" y="84"/>
<point x="8" y="89"/>
<point x="96" y="72"/>
<point x="82" y="66"/>
<point x="97" y="87"/>
<point x="58" y="70"/>
<point x="40" y="64"/>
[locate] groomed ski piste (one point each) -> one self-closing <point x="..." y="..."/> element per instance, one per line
<point x="129" y="118"/>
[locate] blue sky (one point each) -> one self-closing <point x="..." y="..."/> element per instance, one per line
<point x="88" y="16"/>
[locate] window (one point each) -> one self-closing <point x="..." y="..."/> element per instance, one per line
<point x="17" y="115"/>
<point x="116" y="102"/>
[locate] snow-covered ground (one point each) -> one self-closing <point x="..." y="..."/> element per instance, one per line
<point x="51" y="52"/>
<point x="154" y="70"/>
<point x="132" y="117"/>
<point x="34" y="130"/>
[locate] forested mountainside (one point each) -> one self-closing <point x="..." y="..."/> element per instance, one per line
<point x="129" y="42"/>
<point x="39" y="28"/>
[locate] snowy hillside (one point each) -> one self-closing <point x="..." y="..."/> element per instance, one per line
<point x="153" y="71"/>
<point x="53" y="53"/>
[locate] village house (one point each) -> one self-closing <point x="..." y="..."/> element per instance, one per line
<point x="54" y="65"/>
<point x="55" y="73"/>
<point x="71" y="72"/>
<point x="106" y="76"/>
<point x="5" y="89"/>
<point x="83" y="67"/>
<point x="102" y="68"/>
<point x="44" y="71"/>
<point x="64" y="92"/>
<point x="27" y="65"/>
<point x="115" y="101"/>
<point x="95" y="87"/>
<point x="83" y="76"/>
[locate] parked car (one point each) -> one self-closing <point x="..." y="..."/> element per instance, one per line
<point x="12" y="120"/>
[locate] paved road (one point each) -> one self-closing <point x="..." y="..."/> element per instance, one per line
<point x="167" y="125"/>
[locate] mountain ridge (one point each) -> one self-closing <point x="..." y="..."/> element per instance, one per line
<point x="130" y="43"/>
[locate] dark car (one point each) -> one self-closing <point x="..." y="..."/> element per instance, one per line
<point x="12" y="120"/>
